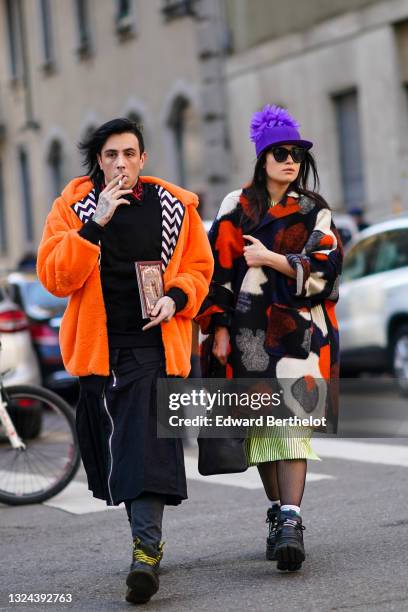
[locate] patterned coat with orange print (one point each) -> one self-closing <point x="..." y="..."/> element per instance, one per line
<point x="280" y="327"/>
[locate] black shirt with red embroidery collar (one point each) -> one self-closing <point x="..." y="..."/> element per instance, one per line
<point x="133" y="234"/>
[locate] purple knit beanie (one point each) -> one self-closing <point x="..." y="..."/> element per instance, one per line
<point x="273" y="125"/>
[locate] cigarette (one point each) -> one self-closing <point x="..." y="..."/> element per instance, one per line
<point x="120" y="183"/>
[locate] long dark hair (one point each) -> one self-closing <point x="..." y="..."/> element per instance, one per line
<point x="92" y="145"/>
<point x="257" y="193"/>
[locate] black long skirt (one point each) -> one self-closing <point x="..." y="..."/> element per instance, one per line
<point x="117" y="429"/>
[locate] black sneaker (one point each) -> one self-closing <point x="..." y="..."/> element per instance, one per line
<point x="143" y="578"/>
<point x="289" y="549"/>
<point x="272" y="516"/>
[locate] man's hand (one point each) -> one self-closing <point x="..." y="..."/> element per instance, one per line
<point x="109" y="199"/>
<point x="221" y="346"/>
<point x="163" y="311"/>
<point x="256" y="254"/>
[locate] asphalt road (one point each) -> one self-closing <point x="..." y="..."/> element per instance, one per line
<point x="356" y="539"/>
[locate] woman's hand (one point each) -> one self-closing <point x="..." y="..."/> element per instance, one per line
<point x="256" y="254"/>
<point x="221" y="346"/>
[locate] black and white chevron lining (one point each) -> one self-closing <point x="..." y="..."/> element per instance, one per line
<point x="172" y="218"/>
<point x="85" y="208"/>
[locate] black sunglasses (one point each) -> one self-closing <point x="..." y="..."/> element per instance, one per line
<point x="281" y="154"/>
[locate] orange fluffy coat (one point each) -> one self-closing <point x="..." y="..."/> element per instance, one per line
<point x="68" y="266"/>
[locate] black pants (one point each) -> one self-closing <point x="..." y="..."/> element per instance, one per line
<point x="145" y="514"/>
<point x="117" y="430"/>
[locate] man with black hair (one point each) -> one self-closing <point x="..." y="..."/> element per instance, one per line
<point x="97" y="229"/>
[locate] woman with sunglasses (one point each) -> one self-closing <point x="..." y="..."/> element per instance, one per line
<point x="270" y="312"/>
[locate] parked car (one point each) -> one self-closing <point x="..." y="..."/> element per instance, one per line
<point x="18" y="364"/>
<point x="17" y="357"/>
<point x="44" y="312"/>
<point x="373" y="306"/>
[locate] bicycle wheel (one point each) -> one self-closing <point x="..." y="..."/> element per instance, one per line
<point x="46" y="424"/>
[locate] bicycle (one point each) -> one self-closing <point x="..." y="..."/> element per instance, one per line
<point x="39" y="451"/>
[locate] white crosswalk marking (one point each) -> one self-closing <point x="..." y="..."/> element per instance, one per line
<point x="76" y="499"/>
<point x="385" y="454"/>
<point x="246" y="480"/>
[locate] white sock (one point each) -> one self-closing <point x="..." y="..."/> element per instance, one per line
<point x="275" y="502"/>
<point x="287" y="507"/>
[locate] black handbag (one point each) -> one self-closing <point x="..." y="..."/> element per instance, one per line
<point x="221" y="456"/>
<point x="218" y="455"/>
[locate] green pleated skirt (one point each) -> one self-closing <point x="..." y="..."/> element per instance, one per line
<point x="277" y="443"/>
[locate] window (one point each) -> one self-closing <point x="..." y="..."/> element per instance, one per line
<point x="47" y="37"/>
<point x="186" y="135"/>
<point x="27" y="198"/>
<point x="83" y="28"/>
<point x="358" y="261"/>
<point x="177" y="8"/>
<point x="392" y="252"/>
<point x="135" y="117"/>
<point x="177" y="123"/>
<point x="33" y="297"/>
<point x="379" y="253"/>
<point x="55" y="162"/>
<point x="3" y="230"/>
<point x="124" y="9"/>
<point x="124" y="16"/>
<point x="13" y="17"/>
<point x="349" y="139"/>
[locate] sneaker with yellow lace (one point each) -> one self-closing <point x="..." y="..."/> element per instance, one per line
<point x="143" y="578"/>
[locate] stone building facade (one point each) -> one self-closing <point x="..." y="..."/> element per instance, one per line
<point x="341" y="67"/>
<point x="67" y="66"/>
<point x="192" y="72"/>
